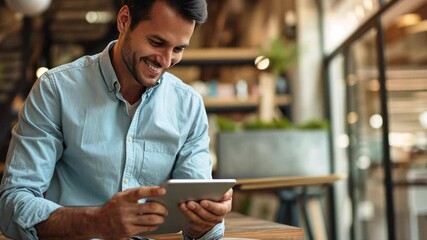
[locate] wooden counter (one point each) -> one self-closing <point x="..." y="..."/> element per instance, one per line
<point x="241" y="226"/>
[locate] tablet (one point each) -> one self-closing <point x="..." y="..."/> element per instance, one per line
<point x="183" y="190"/>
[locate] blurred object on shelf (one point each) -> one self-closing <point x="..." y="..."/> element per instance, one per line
<point x="187" y="74"/>
<point x="200" y="87"/>
<point x="290" y="30"/>
<point x="225" y="90"/>
<point x="282" y="85"/>
<point x="242" y="89"/>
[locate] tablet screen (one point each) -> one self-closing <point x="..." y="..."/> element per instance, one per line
<point x="183" y="190"/>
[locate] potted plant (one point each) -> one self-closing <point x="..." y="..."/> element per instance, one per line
<point x="281" y="55"/>
<point x="275" y="60"/>
<point x="278" y="148"/>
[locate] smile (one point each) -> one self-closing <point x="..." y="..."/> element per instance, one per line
<point x="151" y="66"/>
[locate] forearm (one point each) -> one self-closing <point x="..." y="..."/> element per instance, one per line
<point x="70" y="223"/>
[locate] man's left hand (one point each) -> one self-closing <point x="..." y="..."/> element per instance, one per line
<point x="204" y="215"/>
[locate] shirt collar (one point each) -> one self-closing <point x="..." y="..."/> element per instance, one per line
<point x="107" y="69"/>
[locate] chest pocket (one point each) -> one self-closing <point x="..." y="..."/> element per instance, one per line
<point x="157" y="163"/>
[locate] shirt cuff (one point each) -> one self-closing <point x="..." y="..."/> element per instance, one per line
<point x="28" y="215"/>
<point x="215" y="233"/>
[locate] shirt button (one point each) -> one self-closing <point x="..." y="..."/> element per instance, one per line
<point x="129" y="139"/>
<point x="126" y="181"/>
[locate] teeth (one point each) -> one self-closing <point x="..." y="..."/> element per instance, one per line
<point x="151" y="66"/>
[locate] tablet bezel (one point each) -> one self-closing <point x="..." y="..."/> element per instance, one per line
<point x="183" y="190"/>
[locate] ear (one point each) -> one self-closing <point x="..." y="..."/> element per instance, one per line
<point x="123" y="19"/>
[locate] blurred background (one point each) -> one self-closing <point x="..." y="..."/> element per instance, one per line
<point x="358" y="65"/>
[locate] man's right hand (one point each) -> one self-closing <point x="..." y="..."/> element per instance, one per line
<point x="120" y="218"/>
<point x="123" y="216"/>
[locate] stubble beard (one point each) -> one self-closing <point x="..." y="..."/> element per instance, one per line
<point x="130" y="60"/>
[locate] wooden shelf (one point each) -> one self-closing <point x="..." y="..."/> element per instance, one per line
<point x="230" y="104"/>
<point x="219" y="56"/>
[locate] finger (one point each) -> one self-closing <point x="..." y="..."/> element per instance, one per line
<point x="197" y="223"/>
<point x="134" y="194"/>
<point x="197" y="213"/>
<point x="152" y="208"/>
<point x="217" y="208"/>
<point x="149" y="220"/>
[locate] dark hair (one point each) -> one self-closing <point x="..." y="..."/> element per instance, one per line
<point x="140" y="10"/>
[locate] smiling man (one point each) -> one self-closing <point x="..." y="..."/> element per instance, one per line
<point x="97" y="136"/>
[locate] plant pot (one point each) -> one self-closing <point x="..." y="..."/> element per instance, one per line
<point x="272" y="153"/>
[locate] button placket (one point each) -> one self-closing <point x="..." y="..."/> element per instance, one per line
<point x="130" y="148"/>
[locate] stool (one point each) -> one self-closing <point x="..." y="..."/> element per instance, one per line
<point x="311" y="211"/>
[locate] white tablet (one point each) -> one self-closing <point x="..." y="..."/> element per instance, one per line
<point x="183" y="190"/>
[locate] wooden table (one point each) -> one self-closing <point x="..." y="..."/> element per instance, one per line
<point x="241" y="226"/>
<point x="283" y="182"/>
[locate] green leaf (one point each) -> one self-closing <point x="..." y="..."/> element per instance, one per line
<point x="226" y="125"/>
<point x="282" y="55"/>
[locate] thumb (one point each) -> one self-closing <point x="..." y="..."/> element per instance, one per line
<point x="134" y="194"/>
<point x="228" y="195"/>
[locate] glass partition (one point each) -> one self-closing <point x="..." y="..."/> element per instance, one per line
<point x="337" y="88"/>
<point x="365" y="121"/>
<point x="406" y="62"/>
<point x="355" y="69"/>
<point x="345" y="17"/>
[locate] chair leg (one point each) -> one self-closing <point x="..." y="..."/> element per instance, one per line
<point x="307" y="221"/>
<point x="315" y="212"/>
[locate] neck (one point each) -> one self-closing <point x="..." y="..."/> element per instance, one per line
<point x="129" y="87"/>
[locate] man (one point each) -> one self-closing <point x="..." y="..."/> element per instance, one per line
<point x="98" y="135"/>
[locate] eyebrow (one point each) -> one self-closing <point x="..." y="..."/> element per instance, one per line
<point x="159" y="38"/>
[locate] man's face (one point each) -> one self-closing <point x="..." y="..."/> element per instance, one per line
<point x="155" y="45"/>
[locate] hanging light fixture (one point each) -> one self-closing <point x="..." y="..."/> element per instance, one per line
<point x="29" y="8"/>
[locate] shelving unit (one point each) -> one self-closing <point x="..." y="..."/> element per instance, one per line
<point x="218" y="56"/>
<point x="233" y="104"/>
<point x="228" y="57"/>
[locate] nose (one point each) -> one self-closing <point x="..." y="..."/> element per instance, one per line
<point x="165" y="58"/>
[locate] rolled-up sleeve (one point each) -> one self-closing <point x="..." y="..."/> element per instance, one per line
<point x="21" y="211"/>
<point x="35" y="147"/>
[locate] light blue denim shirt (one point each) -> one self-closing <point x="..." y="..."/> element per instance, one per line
<point x="75" y="144"/>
